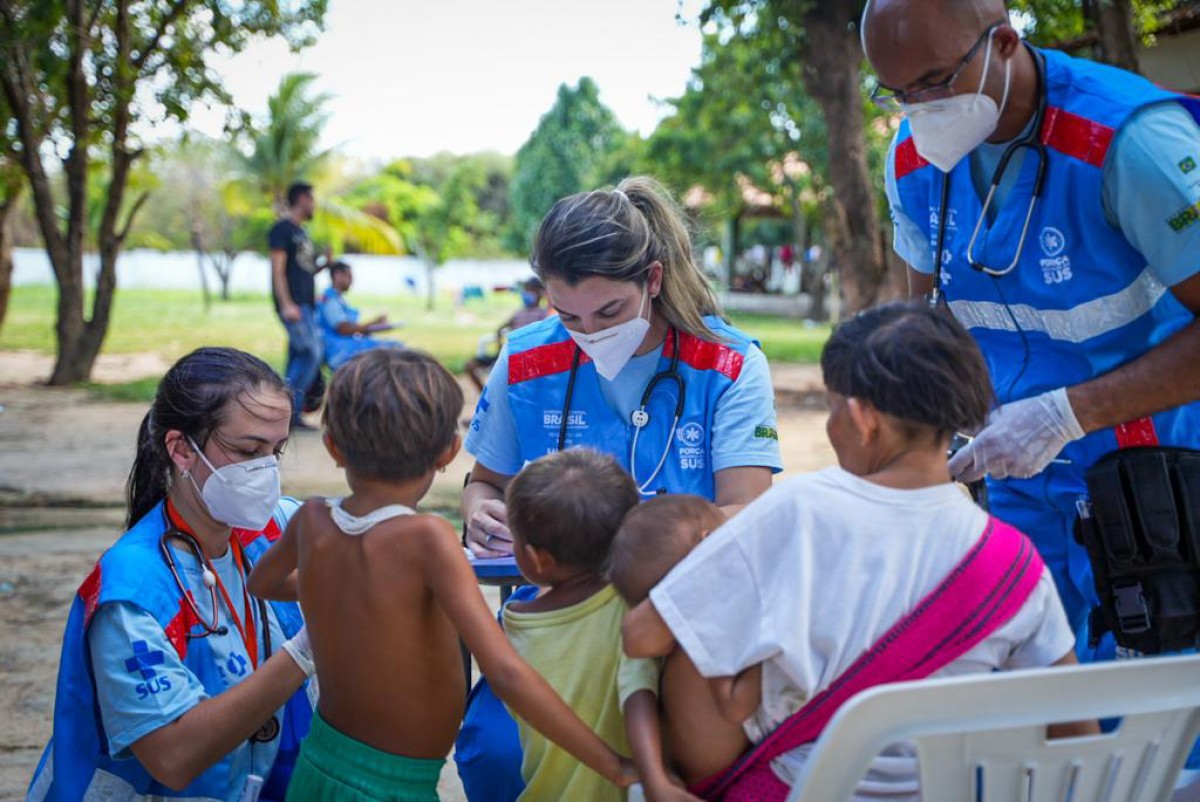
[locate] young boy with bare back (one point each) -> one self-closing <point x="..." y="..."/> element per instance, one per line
<point x="693" y="728"/>
<point x="387" y="593"/>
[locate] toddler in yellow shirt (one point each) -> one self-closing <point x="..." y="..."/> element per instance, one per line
<point x="564" y="510"/>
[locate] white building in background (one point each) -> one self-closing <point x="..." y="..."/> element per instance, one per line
<point x="373" y="275"/>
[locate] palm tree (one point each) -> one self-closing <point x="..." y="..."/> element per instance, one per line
<point x="285" y="149"/>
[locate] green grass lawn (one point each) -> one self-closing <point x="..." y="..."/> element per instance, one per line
<point x="171" y="323"/>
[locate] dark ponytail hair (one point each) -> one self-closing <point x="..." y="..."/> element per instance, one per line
<point x="913" y="363"/>
<point x="192" y="398"/>
<point x="618" y="235"/>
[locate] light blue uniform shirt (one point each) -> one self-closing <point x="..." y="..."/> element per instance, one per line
<point x="746" y="407"/>
<point x="1151" y="175"/>
<point x="141" y="682"/>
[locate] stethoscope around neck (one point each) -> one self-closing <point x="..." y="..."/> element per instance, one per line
<point x="213" y="625"/>
<point x="271" y="727"/>
<point x="639" y="418"/>
<point x="1031" y="141"/>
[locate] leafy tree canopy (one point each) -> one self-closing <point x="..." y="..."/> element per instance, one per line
<point x="567" y="153"/>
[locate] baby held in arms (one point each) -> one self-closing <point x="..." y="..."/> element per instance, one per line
<point x="693" y="730"/>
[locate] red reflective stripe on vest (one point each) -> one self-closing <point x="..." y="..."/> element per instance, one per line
<point x="1140" y="432"/>
<point x="1077" y="136"/>
<point x="177" y="628"/>
<point x="247" y="536"/>
<point x="907" y="159"/>
<point x="544" y="360"/>
<point x="89" y="592"/>
<point x="706" y="355"/>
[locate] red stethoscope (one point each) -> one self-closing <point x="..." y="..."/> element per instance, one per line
<point x="246" y="624"/>
<point x="247" y="627"/>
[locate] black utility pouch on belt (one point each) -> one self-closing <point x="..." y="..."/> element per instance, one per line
<point x="1142" y="535"/>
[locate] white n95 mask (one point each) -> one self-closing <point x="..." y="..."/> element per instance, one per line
<point x="947" y="129"/>
<point x="241" y="494"/>
<point x="611" y="349"/>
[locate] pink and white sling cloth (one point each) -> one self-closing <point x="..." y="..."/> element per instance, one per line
<point x="985" y="590"/>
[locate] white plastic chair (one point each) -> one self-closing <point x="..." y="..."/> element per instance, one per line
<point x="982" y="738"/>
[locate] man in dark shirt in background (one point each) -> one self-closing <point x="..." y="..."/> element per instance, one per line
<point x="293" y="266"/>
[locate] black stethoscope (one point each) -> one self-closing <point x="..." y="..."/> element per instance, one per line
<point x="639" y="417"/>
<point x="1031" y="141"/>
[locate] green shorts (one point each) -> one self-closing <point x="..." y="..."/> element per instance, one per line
<point x="333" y="766"/>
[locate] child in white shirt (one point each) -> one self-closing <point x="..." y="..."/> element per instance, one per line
<point x="814" y="573"/>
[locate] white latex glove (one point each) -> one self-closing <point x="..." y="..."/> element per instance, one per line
<point x="1020" y="439"/>
<point x="300" y="650"/>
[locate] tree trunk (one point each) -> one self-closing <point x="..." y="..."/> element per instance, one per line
<point x="225" y="272"/>
<point x="1116" y="38"/>
<point x="73" y="363"/>
<point x="732" y="241"/>
<point x="79" y="340"/>
<point x="6" y="256"/>
<point x="198" y="247"/>
<point x="832" y="58"/>
<point x="429" y="289"/>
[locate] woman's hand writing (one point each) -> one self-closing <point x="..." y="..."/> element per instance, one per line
<point x="487" y="530"/>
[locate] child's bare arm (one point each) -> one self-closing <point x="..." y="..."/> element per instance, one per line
<point x="738" y="697"/>
<point x="274" y="575"/>
<point x="531" y="697"/>
<point x="642" y="728"/>
<point x="645" y="634"/>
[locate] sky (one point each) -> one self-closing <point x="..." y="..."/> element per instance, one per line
<point x="412" y="78"/>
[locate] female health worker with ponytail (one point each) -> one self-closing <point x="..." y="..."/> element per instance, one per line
<point x="639" y="364"/>
<point x="174" y="682"/>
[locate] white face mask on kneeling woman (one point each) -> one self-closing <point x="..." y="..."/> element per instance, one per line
<point x="240" y="494"/>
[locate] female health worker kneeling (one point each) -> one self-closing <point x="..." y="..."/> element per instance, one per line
<point x="174" y="681"/>
<point x="639" y="364"/>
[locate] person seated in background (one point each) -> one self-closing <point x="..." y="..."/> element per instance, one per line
<point x="877" y="570"/>
<point x="343" y="334"/>
<point x="531" y="311"/>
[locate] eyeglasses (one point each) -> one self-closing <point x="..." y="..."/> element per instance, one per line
<point x="894" y="101"/>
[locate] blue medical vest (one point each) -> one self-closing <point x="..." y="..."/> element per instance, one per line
<point x="133" y="571"/>
<point x="1081" y="301"/>
<point x="539" y="369"/>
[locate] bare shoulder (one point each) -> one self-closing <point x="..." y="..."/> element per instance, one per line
<point x="419" y="528"/>
<point x="417" y="535"/>
<point x="312" y="519"/>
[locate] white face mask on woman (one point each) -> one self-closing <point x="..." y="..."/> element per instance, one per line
<point x="947" y="129"/>
<point x="611" y="349"/>
<point x="241" y="494"/>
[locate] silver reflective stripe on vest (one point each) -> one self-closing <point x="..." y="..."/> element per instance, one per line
<point x="106" y="787"/>
<point x="1088" y="320"/>
<point x="41" y="784"/>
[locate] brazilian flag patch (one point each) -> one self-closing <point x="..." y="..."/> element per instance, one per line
<point x="766" y="433"/>
<point x="1187" y="165"/>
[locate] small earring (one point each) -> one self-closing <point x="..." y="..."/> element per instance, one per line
<point x="442" y="469"/>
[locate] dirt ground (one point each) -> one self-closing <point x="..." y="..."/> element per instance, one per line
<point x="64" y="459"/>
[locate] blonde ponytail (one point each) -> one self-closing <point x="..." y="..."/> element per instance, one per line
<point x="618" y="235"/>
<point x="686" y="297"/>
